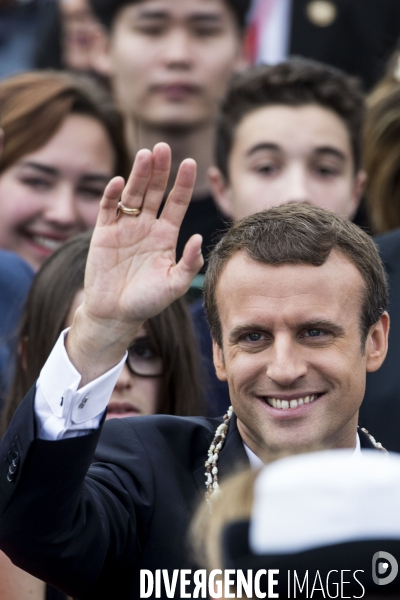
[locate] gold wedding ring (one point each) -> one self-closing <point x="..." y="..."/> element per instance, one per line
<point x="131" y="212"/>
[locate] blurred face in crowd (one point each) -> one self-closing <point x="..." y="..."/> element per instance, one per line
<point x="80" y="31"/>
<point x="170" y="61"/>
<point x="284" y="154"/>
<point x="53" y="193"/>
<point x="138" y="389"/>
<point x="292" y="352"/>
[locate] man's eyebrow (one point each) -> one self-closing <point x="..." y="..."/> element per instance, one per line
<point x="147" y="13"/>
<point x="200" y="17"/>
<point x="263" y="146"/>
<point x="330" y="150"/>
<point x="206" y="18"/>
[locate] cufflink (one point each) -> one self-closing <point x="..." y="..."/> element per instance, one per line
<point x="82" y="404"/>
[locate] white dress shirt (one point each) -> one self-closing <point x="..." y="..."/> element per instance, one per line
<point x="62" y="410"/>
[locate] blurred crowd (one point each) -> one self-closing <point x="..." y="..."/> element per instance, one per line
<point x="278" y="101"/>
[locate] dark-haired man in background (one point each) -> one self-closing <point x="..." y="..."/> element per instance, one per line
<point x="285" y="133"/>
<point x="169" y="63"/>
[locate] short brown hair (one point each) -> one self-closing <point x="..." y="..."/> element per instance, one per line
<point x="33" y="106"/>
<point x="382" y="151"/>
<point x="299" y="234"/>
<point x="295" y="82"/>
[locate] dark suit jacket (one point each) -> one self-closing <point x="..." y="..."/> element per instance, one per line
<point x="380" y="411"/>
<point x="91" y="533"/>
<point x="359" y="41"/>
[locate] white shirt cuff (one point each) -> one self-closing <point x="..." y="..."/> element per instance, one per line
<point x="61" y="409"/>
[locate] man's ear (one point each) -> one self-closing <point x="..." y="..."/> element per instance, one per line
<point x="100" y="54"/>
<point x="220" y="191"/>
<point x="360" y="180"/>
<point x="219" y="363"/>
<point x="376" y="344"/>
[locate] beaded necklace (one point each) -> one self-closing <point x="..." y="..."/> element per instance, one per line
<point x="212" y="485"/>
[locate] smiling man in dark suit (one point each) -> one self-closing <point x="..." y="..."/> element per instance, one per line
<point x="296" y="300"/>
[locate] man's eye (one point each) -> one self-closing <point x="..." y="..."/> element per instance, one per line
<point x="315" y="333"/>
<point x="152" y="30"/>
<point x="254" y="337"/>
<point x="267" y="169"/>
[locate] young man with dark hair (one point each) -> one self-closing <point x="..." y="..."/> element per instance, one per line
<point x="285" y="133"/>
<point x="300" y="294"/>
<point x="169" y="62"/>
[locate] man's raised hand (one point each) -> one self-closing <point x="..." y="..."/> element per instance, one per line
<point x="131" y="273"/>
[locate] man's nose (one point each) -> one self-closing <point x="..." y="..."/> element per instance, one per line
<point x="178" y="51"/>
<point x="285" y="365"/>
<point x="296" y="186"/>
<point x="62" y="209"/>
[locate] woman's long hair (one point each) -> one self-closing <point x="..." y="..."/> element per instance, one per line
<point x="382" y="150"/>
<point x="47" y="308"/>
<point x="33" y="105"/>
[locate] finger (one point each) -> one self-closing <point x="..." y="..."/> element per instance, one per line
<point x="158" y="180"/>
<point x="109" y="202"/>
<point x="179" y="198"/>
<point x="135" y="189"/>
<point x="190" y="264"/>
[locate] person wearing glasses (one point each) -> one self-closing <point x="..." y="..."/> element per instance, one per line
<point x="161" y="374"/>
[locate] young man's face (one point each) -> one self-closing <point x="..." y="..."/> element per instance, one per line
<point x="284" y="154"/>
<point x="170" y="60"/>
<point x="292" y="353"/>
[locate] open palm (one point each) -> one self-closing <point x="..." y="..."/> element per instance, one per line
<point x="131" y="271"/>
